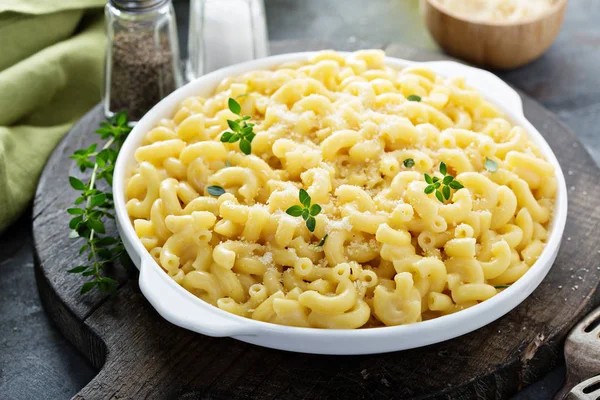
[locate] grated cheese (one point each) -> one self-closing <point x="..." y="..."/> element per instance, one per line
<point x="342" y="224"/>
<point x="267" y="258"/>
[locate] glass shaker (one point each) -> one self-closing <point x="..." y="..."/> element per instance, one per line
<point x="142" y="57"/>
<point x="225" y="32"/>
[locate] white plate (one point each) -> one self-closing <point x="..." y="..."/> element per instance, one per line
<point x="182" y="308"/>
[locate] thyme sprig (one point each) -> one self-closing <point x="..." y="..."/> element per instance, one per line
<point x="215" y="190"/>
<point x="446" y="183"/>
<point x="241" y="130"/>
<point x="322" y="242"/>
<point x="94" y="206"/>
<point x="307" y="211"/>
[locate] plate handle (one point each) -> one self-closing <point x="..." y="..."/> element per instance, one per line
<point x="181" y="308"/>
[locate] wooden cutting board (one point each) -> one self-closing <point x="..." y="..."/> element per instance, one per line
<point x="140" y="355"/>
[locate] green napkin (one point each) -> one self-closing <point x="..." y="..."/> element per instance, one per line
<point x="51" y="71"/>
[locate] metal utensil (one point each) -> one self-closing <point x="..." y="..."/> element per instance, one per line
<point x="586" y="390"/>
<point x="582" y="353"/>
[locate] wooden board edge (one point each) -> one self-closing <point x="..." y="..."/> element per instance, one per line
<point x="74" y="330"/>
<point x="545" y="352"/>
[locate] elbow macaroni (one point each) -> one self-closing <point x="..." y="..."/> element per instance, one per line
<point x="341" y="127"/>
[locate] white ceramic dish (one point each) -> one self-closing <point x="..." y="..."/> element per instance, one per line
<point x="182" y="308"/>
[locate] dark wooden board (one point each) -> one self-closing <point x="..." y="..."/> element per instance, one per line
<point x="143" y="356"/>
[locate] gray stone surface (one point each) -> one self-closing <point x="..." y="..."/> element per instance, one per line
<point x="37" y="363"/>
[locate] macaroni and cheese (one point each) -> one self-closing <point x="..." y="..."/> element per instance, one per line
<point x="359" y="137"/>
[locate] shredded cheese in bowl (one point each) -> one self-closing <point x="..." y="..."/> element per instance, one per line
<point x="498" y="10"/>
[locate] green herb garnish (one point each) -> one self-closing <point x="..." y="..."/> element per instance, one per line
<point x="502" y="286"/>
<point x="447" y="183"/>
<point x="94" y="205"/>
<point x="409" y="163"/>
<point x="241" y="130"/>
<point x="322" y="242"/>
<point x="215" y="190"/>
<point x="490" y="165"/>
<point x="227" y="163"/>
<point x="414" y="97"/>
<point x="306" y="211"/>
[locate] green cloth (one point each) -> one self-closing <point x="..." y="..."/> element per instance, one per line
<point x="38" y="7"/>
<point x="51" y="72"/>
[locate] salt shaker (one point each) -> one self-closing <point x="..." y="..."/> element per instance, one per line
<point x="225" y="32"/>
<point x="142" y="57"/>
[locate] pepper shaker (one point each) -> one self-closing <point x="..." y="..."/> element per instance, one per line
<point x="142" y="56"/>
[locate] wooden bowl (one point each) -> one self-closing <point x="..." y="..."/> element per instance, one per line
<point x="495" y="45"/>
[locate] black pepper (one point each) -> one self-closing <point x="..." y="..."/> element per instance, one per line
<point x="142" y="71"/>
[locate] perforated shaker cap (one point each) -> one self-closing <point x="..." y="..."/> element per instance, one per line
<point x="137" y="5"/>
